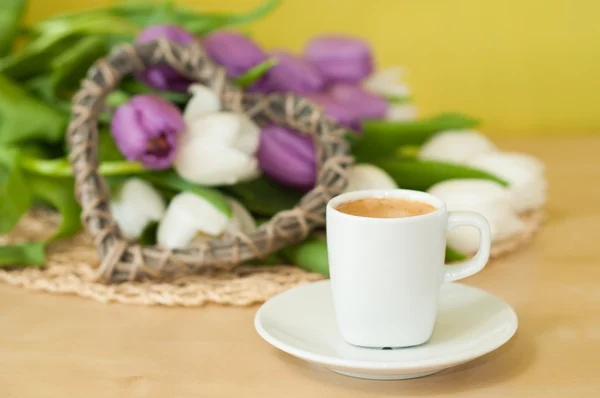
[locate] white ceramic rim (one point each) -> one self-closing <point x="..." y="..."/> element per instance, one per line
<point x="398" y="365"/>
<point x="440" y="206"/>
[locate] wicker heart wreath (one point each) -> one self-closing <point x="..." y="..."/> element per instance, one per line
<point x="122" y="260"/>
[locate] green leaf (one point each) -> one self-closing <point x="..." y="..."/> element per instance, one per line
<point x="408" y="152"/>
<point x="398" y="99"/>
<point x="60" y="21"/>
<point x="117" y="98"/>
<point x="454" y="255"/>
<point x="259" y="12"/>
<point x="15" y="196"/>
<point x="35" y="58"/>
<point x="107" y="148"/>
<point x="56" y="36"/>
<point x="72" y="65"/>
<point x="42" y="87"/>
<point x="204" y="23"/>
<point x="381" y="138"/>
<point x="61" y="167"/>
<point x="310" y="255"/>
<point x="170" y="180"/>
<point x="11" y="16"/>
<point x="164" y="14"/>
<point x="264" y="196"/>
<point x="23" y="117"/>
<point x="420" y="175"/>
<point x="254" y="74"/>
<point x="148" y="236"/>
<point x="137" y="12"/>
<point x="103" y="22"/>
<point x="31" y="253"/>
<point x="133" y="87"/>
<point x="59" y="194"/>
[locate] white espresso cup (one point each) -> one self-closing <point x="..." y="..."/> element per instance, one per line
<point x="387" y="273"/>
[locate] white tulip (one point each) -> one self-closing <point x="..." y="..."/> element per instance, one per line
<point x="204" y="101"/>
<point x="401" y="112"/>
<point x="367" y="176"/>
<point x="241" y="220"/>
<point x="218" y="149"/>
<point x="525" y="174"/>
<point x="387" y="83"/>
<point x="135" y="205"/>
<point x="488" y="198"/>
<point x="191" y="218"/>
<point x="188" y="215"/>
<point x="456" y="146"/>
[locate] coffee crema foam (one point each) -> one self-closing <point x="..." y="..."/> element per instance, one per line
<point x="385" y="208"/>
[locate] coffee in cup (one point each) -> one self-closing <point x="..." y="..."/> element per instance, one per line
<point x="385" y="207"/>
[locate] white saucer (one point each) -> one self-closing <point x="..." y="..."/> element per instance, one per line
<point x="470" y="323"/>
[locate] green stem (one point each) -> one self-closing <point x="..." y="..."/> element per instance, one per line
<point x="62" y="168"/>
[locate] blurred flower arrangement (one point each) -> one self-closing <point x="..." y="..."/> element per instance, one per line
<point x="181" y="169"/>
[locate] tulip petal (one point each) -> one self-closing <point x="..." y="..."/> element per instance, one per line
<point x="340" y="58"/>
<point x="173" y="233"/>
<point x="145" y="129"/>
<point x="187" y="215"/>
<point x="362" y="103"/>
<point x="294" y="74"/>
<point x="525" y="174"/>
<point x="510" y="163"/>
<point x="287" y="157"/>
<point x="456" y="146"/>
<point x="216" y="129"/>
<point x="470" y="192"/>
<point x="171" y="32"/>
<point x="236" y="52"/>
<point x="241" y="220"/>
<point x="218" y="149"/>
<point x="336" y="110"/>
<point x="368" y="176"/>
<point x="387" y="82"/>
<point x="204" y="101"/>
<point x="135" y="206"/>
<point x="225" y="129"/>
<point x="248" y="139"/>
<point x="489" y="199"/>
<point x="163" y="77"/>
<point x="129" y="134"/>
<point x="405" y="112"/>
<point x="214" y="165"/>
<point x="293" y="143"/>
<point x="159" y="115"/>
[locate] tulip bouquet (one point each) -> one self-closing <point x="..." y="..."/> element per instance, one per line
<point x="181" y="169"/>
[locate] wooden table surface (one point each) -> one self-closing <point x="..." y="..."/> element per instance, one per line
<point x="57" y="346"/>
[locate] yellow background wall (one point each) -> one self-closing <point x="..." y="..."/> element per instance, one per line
<point x="523" y="66"/>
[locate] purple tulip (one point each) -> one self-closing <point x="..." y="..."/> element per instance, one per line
<point x="341" y="113"/>
<point x="294" y="74"/>
<point x="145" y="129"/>
<point x="340" y="58"/>
<point x="236" y="52"/>
<point x="263" y="85"/>
<point x="287" y="157"/>
<point x="164" y="77"/>
<point x="363" y="104"/>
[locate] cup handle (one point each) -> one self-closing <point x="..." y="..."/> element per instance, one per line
<point x="469" y="267"/>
